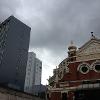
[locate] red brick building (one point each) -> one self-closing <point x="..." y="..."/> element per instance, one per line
<point x="80" y="71"/>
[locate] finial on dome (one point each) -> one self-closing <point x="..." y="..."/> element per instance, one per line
<point x="72" y="46"/>
<point x="71" y="42"/>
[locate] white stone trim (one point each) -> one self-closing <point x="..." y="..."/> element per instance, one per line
<point x="94" y="64"/>
<point x="79" y="68"/>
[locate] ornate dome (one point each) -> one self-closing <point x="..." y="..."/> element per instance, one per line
<point x="72" y="46"/>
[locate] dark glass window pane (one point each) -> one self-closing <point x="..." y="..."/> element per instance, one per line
<point x="97" y="67"/>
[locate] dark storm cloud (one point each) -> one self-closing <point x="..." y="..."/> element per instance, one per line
<point x="66" y="20"/>
<point x="56" y="22"/>
<point x="7" y="8"/>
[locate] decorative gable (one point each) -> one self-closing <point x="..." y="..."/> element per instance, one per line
<point x="90" y="50"/>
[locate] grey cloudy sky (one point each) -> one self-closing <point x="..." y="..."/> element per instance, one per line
<point x="54" y="24"/>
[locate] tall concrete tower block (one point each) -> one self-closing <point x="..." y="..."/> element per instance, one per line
<point x="14" y="45"/>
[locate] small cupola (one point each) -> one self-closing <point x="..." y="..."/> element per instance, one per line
<point x="72" y="51"/>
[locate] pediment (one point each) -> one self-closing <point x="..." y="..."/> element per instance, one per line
<point x="91" y="47"/>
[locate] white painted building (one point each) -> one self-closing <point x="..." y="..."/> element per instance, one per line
<point x="38" y="70"/>
<point x="33" y="72"/>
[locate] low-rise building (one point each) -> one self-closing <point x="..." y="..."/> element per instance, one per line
<point x="7" y="93"/>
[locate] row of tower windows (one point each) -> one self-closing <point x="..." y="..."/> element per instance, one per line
<point x="3" y="36"/>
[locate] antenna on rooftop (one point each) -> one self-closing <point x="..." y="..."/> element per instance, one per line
<point x="92" y="35"/>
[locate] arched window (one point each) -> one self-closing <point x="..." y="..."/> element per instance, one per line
<point x="83" y="68"/>
<point x="96" y="66"/>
